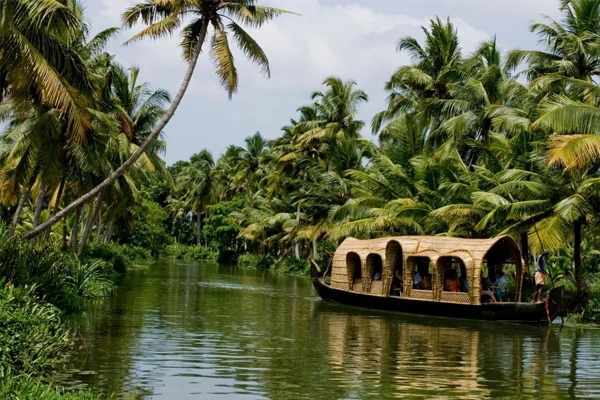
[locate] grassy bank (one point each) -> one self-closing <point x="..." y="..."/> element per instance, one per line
<point x="39" y="284"/>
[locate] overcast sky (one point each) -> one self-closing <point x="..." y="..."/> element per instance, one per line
<point x="352" y="39"/>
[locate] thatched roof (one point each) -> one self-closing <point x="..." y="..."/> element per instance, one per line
<point x="472" y="252"/>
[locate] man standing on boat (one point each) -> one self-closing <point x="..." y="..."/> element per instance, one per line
<point x="540" y="275"/>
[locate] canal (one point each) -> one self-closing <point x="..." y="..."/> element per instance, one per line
<point x="190" y="331"/>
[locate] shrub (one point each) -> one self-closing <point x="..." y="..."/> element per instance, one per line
<point x="147" y="229"/>
<point x="183" y="252"/>
<point x="294" y="266"/>
<point x="590" y="313"/>
<point x="88" y="279"/>
<point x="119" y="258"/>
<point x="32" y="336"/>
<point x="57" y="277"/>
<point x="255" y="261"/>
<point x="221" y="228"/>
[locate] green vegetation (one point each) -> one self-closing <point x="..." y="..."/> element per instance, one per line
<point x="81" y="137"/>
<point x="27" y="388"/>
<point x="33" y="340"/>
<point x="471" y="145"/>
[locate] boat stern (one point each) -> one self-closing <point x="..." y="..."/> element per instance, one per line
<point x="554" y="302"/>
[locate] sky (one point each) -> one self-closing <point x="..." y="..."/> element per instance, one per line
<point x="352" y="39"/>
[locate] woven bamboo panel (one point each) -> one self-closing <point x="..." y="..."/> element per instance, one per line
<point x="451" y="297"/>
<point x="421" y="294"/>
<point x="376" y="287"/>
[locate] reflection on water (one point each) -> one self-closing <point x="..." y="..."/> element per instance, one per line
<point x="189" y="331"/>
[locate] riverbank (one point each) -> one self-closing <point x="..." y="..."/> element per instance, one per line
<point x="283" y="265"/>
<point x="39" y="285"/>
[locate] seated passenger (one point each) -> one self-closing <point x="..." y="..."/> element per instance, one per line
<point x="500" y="285"/>
<point x="422" y="279"/>
<point x="452" y="284"/>
<point x="377" y="276"/>
<point x="417" y="281"/>
<point x="487" y="296"/>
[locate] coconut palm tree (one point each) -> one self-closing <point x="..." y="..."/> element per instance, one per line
<point x="198" y="186"/>
<point x="436" y="68"/>
<point x="38" y="59"/>
<point x="571" y="46"/>
<point x="164" y="17"/>
<point x="138" y="108"/>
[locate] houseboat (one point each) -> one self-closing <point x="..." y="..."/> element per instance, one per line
<point x="434" y="275"/>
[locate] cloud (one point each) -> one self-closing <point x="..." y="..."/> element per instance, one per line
<point x="354" y="40"/>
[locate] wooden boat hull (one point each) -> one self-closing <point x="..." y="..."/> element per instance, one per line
<point x="543" y="312"/>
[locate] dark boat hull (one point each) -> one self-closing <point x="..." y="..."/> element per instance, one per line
<point x="543" y="312"/>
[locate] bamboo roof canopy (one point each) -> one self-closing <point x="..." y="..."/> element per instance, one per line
<point x="354" y="262"/>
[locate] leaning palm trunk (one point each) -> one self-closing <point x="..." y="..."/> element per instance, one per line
<point x="39" y="204"/>
<point x="22" y="200"/>
<point x="138" y="153"/>
<point x="87" y="231"/>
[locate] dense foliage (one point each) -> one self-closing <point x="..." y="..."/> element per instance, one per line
<point x="474" y="145"/>
<point x="81" y="135"/>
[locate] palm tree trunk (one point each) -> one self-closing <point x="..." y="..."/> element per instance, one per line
<point x="297" y="245"/>
<point x="99" y="227"/>
<point x="74" y="240"/>
<point x="315" y="250"/>
<point x="39" y="204"/>
<point x="205" y="236"/>
<point x="22" y="200"/>
<point x="525" y="253"/>
<point x="138" y="153"/>
<point x="109" y="231"/>
<point x="87" y="231"/>
<point x="199" y="229"/>
<point x="61" y="188"/>
<point x="581" y="287"/>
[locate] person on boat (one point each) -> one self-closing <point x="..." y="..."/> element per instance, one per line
<point x="422" y="279"/>
<point x="418" y="280"/>
<point x="540" y="275"/>
<point x="487" y="296"/>
<point x="500" y="285"/>
<point x="452" y="284"/>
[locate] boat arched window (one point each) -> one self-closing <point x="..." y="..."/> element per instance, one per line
<point x="375" y="268"/>
<point x="454" y="275"/>
<point x="354" y="267"/>
<point x="503" y="260"/>
<point x="422" y="273"/>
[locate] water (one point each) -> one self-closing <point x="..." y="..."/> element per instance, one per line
<point x="189" y="331"/>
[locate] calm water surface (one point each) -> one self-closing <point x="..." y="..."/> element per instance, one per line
<point x="202" y="331"/>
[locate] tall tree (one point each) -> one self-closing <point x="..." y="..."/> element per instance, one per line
<point x="164" y="17"/>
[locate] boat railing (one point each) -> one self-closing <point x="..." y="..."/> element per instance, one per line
<point x="454" y="297"/>
<point x="419" y="294"/>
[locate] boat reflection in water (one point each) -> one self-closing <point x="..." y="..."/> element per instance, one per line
<point x="389" y="355"/>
